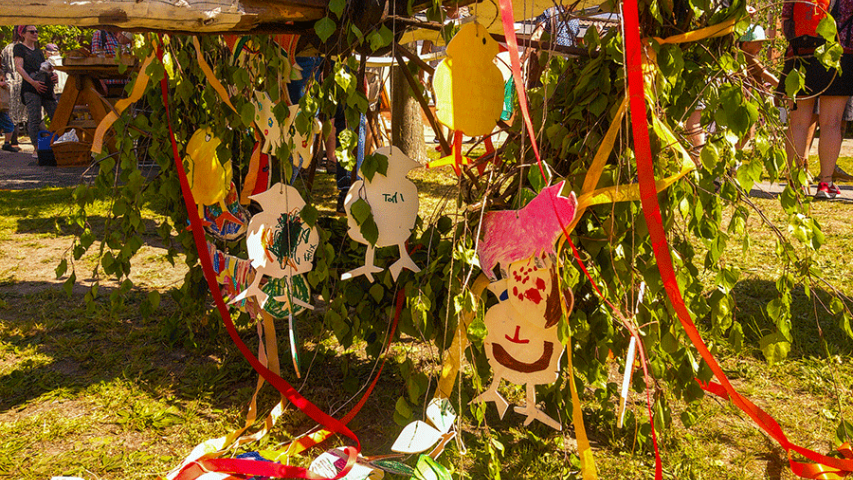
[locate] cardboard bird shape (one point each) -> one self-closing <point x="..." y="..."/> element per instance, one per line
<point x="512" y="235"/>
<point x="522" y="344"/>
<point x="469" y="87"/>
<point x="209" y="179"/>
<point x="279" y="243"/>
<point x="393" y="201"/>
<point x="274" y="133"/>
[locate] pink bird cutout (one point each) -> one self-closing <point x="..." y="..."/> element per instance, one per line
<point x="512" y="235"/>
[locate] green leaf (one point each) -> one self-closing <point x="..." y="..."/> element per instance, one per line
<point x="154" y="298"/>
<point x="736" y="337"/>
<point x="827" y="28"/>
<point x="377" y="292"/>
<point x="775" y="347"/>
<point x="247" y="113"/>
<point x="61" y="268"/>
<point x="368" y="167"/>
<point x="369" y="230"/>
<point x="324" y="28"/>
<point x="381" y="164"/>
<point x="794" y="82"/>
<point x="309" y="215"/>
<point x="337" y="6"/>
<point x="360" y="211"/>
<point x="69" y="284"/>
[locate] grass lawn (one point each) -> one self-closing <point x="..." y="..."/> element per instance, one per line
<point x="105" y="394"/>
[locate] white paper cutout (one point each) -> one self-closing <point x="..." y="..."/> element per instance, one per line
<point x="274" y="133"/>
<point x="416" y="437"/>
<point x="522" y="345"/>
<point x="279" y="243"/>
<point x="266" y="122"/>
<point x="440" y="413"/>
<point x="393" y="199"/>
<point x="330" y="463"/>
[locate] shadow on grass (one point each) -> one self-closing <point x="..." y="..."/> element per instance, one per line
<point x="51" y="346"/>
<point x="810" y="320"/>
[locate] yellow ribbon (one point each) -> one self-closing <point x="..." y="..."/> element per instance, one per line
<point x="208" y="73"/>
<point x="584" y="449"/>
<point x="139" y="86"/>
<point x="453" y="356"/>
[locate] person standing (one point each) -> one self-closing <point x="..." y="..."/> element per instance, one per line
<point x="17" y="112"/>
<point x="833" y="86"/>
<point x="35" y="94"/>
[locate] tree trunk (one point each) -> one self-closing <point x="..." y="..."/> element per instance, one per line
<point x="407" y="127"/>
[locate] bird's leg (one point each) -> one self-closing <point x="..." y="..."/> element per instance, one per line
<point x="491" y="395"/>
<point x="405" y="261"/>
<point x="368" y="269"/>
<point x="253" y="290"/>
<point x="226" y="215"/>
<point x="533" y="413"/>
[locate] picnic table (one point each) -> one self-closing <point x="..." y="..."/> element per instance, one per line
<point x="84" y="102"/>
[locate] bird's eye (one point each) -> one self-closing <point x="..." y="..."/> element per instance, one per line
<point x="484" y="40"/>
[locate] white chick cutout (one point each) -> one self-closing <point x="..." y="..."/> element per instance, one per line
<point x="522" y="345"/>
<point x="278" y="241"/>
<point x="393" y="200"/>
<point x="273" y="132"/>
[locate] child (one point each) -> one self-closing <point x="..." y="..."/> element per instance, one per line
<point x="6" y="124"/>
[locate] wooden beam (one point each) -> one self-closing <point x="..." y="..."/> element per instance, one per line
<point x="200" y="16"/>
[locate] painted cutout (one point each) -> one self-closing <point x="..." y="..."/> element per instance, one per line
<point x="441" y="414"/>
<point x="274" y="133"/>
<point x="513" y="235"/>
<point x="221" y="225"/>
<point x="289" y="296"/>
<point x="469" y="87"/>
<point x="522" y="345"/>
<point x="416" y="437"/>
<point x="266" y="122"/>
<point x="279" y="243"/>
<point x="234" y="275"/>
<point x="209" y="179"/>
<point x="330" y="463"/>
<point x="393" y="200"/>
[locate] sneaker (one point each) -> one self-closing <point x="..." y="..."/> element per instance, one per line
<point x="35" y="154"/>
<point x="826" y="191"/>
<point x="10" y="148"/>
<point x="834" y="190"/>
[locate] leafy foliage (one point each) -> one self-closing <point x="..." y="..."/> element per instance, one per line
<point x="578" y="98"/>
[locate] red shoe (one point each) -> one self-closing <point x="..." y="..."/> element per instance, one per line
<point x="826" y="191"/>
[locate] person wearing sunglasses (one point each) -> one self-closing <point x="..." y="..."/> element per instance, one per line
<point x="36" y="95"/>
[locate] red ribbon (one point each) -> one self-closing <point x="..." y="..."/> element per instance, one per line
<point x="660" y="246"/>
<point x="251" y="467"/>
<point x="512" y="46"/>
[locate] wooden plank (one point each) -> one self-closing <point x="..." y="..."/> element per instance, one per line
<point x="203" y="16"/>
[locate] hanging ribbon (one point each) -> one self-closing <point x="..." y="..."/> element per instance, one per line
<point x="588" y="470"/>
<point x="251" y="467"/>
<point x="299" y="445"/>
<point x="660" y="246"/>
<point x="139" y="86"/>
<point x="211" y="78"/>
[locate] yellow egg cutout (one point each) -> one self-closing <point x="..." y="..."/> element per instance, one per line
<point x="469" y="87"/>
<point x="209" y="179"/>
